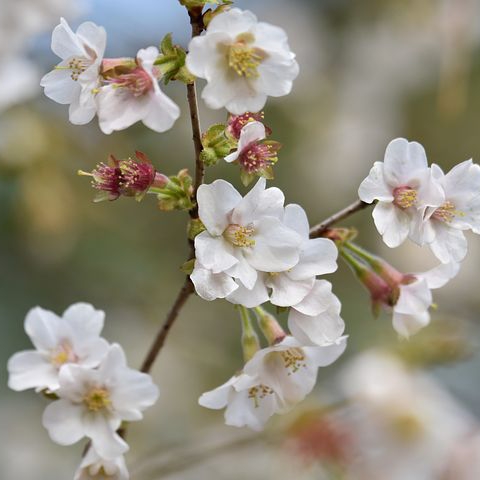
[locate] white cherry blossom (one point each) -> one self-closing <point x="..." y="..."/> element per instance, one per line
<point x="73" y="338"/>
<point x="94" y="467"/>
<point x="247" y="403"/>
<point x="94" y="402"/>
<point x="404" y="187"/>
<point x="244" y="61"/>
<point x="243" y="236"/>
<point x="460" y="211"/>
<point x="136" y="96"/>
<point x="410" y="312"/>
<point x="75" y="79"/>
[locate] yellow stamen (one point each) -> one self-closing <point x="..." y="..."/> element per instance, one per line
<point x="446" y="213"/>
<point x="243" y="58"/>
<point x="97" y="399"/>
<point x="405" y="198"/>
<point x="293" y="359"/>
<point x="240" y="236"/>
<point x="258" y="393"/>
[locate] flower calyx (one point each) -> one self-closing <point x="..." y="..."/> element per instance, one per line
<point x="171" y="62"/>
<point x="216" y="144"/>
<point x="177" y="193"/>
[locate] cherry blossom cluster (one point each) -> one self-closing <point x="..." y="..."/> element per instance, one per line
<point x="419" y="202"/>
<point x="94" y="390"/>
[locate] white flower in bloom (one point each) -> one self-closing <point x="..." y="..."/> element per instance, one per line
<point x="247" y="403"/>
<point x="136" y="96"/>
<point x="410" y="312"/>
<point x="404" y="186"/>
<point x="316" y="319"/>
<point x="72" y="339"/>
<point x="459" y="211"/>
<point x="94" y="402"/>
<point x="94" y="467"/>
<point x="290" y="368"/>
<point x="74" y="80"/>
<point x="243" y="236"/>
<point x="244" y="61"/>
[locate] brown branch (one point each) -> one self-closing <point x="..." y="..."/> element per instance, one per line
<point x="172" y="315"/>
<point x="320" y="228"/>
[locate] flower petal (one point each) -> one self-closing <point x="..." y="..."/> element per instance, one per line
<point x="30" y="369"/>
<point x="63" y="420"/>
<point x="392" y="223"/>
<point x="211" y="286"/>
<point x="374" y="187"/>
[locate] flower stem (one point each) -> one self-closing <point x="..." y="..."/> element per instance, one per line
<point x="317" y="230"/>
<point x="250" y="341"/>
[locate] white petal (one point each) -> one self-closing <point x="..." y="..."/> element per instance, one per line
<point x="317" y="257"/>
<point x="243" y="271"/>
<point x="296" y="219"/>
<point x="93" y="36"/>
<point x="286" y="291"/>
<point x="211" y="286"/>
<point x="63" y="420"/>
<point x="214" y="253"/>
<point x="65" y="43"/>
<point x="318" y="300"/>
<point x="60" y="87"/>
<point x="415" y="298"/>
<point x="392" y="223"/>
<point x="439" y="276"/>
<point x="217" y="398"/>
<point x="102" y="432"/>
<point x="325" y="355"/>
<point x="407" y="325"/>
<point x="241" y="103"/>
<point x="402" y="159"/>
<point x="204" y="54"/>
<point x="276" y="246"/>
<point x="450" y="245"/>
<point x="215" y="202"/>
<point x="44" y="328"/>
<point x="250" y="298"/>
<point x="162" y="111"/>
<point x="321" y="329"/>
<point x="276" y="74"/>
<point x="83" y="317"/>
<point x="233" y="21"/>
<point x="30" y="369"/>
<point x="374" y="186"/>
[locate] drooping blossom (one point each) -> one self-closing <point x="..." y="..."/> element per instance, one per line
<point x="244" y="61"/>
<point x="133" y="94"/>
<point x="76" y="78"/>
<point x="403" y="186"/>
<point x="94" y="402"/>
<point x="243" y="238"/>
<point x="459" y="211"/>
<point x="273" y="381"/>
<point x="73" y="338"/>
<point x="94" y="467"/>
<point x="255" y="155"/>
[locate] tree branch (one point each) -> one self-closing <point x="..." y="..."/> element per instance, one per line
<point x="317" y="230"/>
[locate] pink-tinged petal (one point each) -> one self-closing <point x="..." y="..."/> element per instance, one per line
<point x="319" y="300"/>
<point x="392" y="223"/>
<point x="211" y="286"/>
<point x="65" y="43"/>
<point x="402" y="159"/>
<point x="251" y="132"/>
<point x="440" y="275"/>
<point x="44" y="328"/>
<point x="214" y="253"/>
<point x="243" y="271"/>
<point x="259" y="202"/>
<point x="215" y="202"/>
<point x="84" y="318"/>
<point x="286" y="291"/>
<point x="31" y="369"/>
<point x="217" y="398"/>
<point x="407" y="325"/>
<point x="296" y="219"/>
<point x="106" y="442"/>
<point x="321" y="329"/>
<point x="94" y="37"/>
<point x="276" y="247"/>
<point x="233" y="21"/>
<point x="63" y="420"/>
<point x="250" y="298"/>
<point x="317" y="257"/>
<point x="450" y="245"/>
<point x="374" y="187"/>
<point x="415" y="298"/>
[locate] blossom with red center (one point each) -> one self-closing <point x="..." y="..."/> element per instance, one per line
<point x="254" y="154"/>
<point x="237" y="122"/>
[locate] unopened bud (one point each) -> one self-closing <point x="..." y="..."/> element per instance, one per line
<point x="269" y="325"/>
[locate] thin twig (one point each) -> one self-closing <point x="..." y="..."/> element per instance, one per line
<point x="159" y="341"/>
<point x="319" y="229"/>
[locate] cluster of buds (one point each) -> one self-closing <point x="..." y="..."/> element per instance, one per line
<point x="137" y="177"/>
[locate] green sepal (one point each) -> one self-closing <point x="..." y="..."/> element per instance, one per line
<point x="171" y="62"/>
<point x="177" y="194"/>
<point x="216" y="145"/>
<point x="188" y="266"/>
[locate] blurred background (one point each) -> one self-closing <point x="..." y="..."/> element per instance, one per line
<point x="370" y="71"/>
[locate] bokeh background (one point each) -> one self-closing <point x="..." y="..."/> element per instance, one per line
<point x="370" y="71"/>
